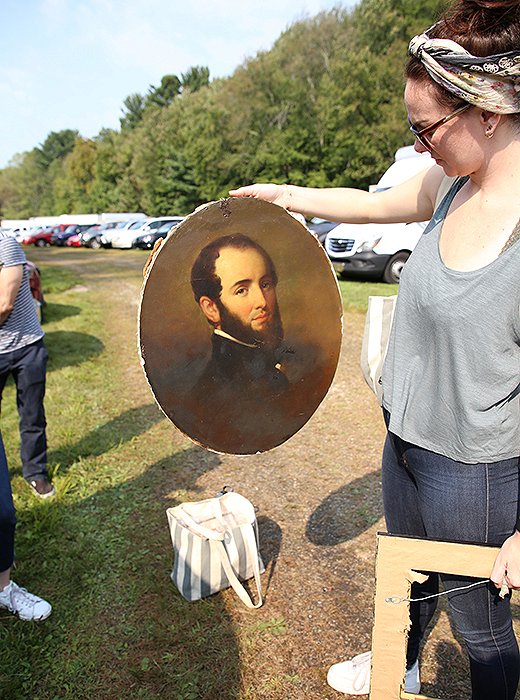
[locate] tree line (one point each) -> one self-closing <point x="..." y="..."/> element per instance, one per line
<point x="322" y="107"/>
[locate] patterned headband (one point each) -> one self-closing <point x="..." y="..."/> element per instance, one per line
<point x="489" y="82"/>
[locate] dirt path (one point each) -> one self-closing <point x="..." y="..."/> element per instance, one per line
<point x="319" y="507"/>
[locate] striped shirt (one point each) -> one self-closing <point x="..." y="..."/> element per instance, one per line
<point x="22" y="326"/>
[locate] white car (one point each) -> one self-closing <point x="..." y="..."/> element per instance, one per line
<point x="122" y="236"/>
<point x="379" y="251"/>
<point x="149" y="226"/>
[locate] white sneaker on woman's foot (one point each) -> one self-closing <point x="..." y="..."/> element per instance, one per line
<point x="353" y="676"/>
<point x="24" y="604"/>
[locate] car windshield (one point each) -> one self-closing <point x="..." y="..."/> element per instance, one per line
<point x="70" y="229"/>
<point x="136" y="224"/>
<point x="165" y="227"/>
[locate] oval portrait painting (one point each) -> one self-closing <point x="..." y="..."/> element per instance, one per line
<point x="240" y="326"/>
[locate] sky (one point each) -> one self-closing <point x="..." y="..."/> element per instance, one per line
<point x="69" y="64"/>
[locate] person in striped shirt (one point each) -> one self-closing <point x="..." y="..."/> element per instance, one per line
<point x="24" y="356"/>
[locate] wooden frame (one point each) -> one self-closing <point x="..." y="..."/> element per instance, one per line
<point x="399" y="561"/>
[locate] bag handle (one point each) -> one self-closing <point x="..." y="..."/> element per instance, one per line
<point x="239" y="589"/>
<point x="201" y="530"/>
<point x="251" y="539"/>
<point x="218" y="513"/>
<point x="197" y="528"/>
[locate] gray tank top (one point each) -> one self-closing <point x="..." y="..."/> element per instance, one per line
<point x="451" y="378"/>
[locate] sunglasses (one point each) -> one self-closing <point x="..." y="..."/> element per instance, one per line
<point x="422" y="134"/>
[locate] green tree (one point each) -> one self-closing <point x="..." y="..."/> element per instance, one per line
<point x="73" y="185"/>
<point x="133" y="110"/>
<point x="21" y="187"/>
<point x="106" y="172"/>
<point x="56" y="146"/>
<point x="165" y="93"/>
<point x="194" y="79"/>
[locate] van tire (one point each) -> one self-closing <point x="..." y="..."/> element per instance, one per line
<point x="392" y="273"/>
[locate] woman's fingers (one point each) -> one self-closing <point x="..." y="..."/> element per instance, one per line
<point x="277" y="194"/>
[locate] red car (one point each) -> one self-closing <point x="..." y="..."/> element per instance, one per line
<point x="74" y="241"/>
<point x="40" y="236"/>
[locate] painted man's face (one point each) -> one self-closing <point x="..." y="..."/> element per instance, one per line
<point x="247" y="308"/>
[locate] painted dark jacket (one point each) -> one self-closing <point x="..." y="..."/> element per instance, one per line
<point x="240" y="398"/>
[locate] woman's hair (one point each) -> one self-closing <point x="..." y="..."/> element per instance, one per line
<point x="482" y="27"/>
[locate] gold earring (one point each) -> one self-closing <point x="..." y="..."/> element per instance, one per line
<point x="490" y="133"/>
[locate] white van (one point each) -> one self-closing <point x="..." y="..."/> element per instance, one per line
<point x="379" y="251"/>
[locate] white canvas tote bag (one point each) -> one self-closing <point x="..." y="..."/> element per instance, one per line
<point x="215" y="544"/>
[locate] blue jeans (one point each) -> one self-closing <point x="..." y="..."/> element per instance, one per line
<point x="428" y="495"/>
<point x="28" y="366"/>
<point x="7" y="514"/>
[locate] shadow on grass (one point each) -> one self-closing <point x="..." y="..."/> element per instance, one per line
<point x="347" y="512"/>
<point x="69" y="348"/>
<point x="119" y="430"/>
<point x="57" y="312"/>
<point x="453" y="681"/>
<point x="119" y="628"/>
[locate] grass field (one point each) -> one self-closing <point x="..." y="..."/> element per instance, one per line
<point x="100" y="551"/>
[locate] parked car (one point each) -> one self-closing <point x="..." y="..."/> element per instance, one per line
<point x="147" y="240"/>
<point x="90" y="236"/>
<point x="74" y="241"/>
<point x="123" y="236"/>
<point x="39" y="236"/>
<point x="320" y="227"/>
<point x="153" y="225"/>
<point x="27" y="234"/>
<point x="379" y="251"/>
<point x="126" y="237"/>
<point x="59" y="228"/>
<point x="102" y="236"/>
<point x="60" y="238"/>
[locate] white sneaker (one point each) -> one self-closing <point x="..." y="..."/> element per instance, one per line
<point x="24" y="604"/>
<point x="353" y="677"/>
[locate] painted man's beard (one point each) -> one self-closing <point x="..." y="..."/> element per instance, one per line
<point x="270" y="338"/>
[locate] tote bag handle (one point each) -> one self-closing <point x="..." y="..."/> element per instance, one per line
<point x="196" y="528"/>
<point x="239" y="589"/>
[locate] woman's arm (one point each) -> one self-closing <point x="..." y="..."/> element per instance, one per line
<point x="10" y="281"/>
<point x="413" y="200"/>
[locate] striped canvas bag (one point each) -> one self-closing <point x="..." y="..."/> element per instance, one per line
<point x="215" y="545"/>
<point x="378" y="323"/>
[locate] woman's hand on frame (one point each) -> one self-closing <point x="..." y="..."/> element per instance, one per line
<point x="277" y="194"/>
<point x="507" y="564"/>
